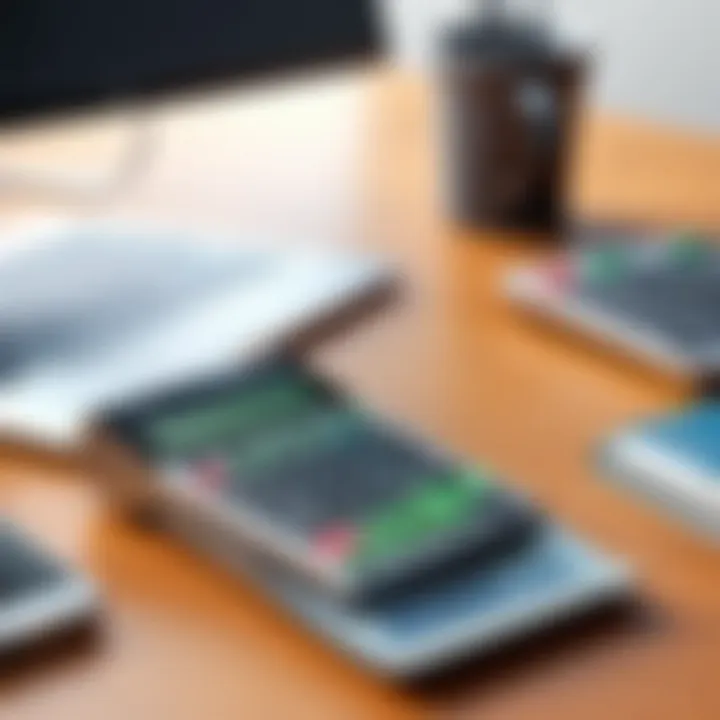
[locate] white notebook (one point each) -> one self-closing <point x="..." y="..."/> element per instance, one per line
<point x="95" y="312"/>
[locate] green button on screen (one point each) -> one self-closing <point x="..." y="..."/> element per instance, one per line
<point x="604" y="265"/>
<point x="436" y="507"/>
<point x="689" y="249"/>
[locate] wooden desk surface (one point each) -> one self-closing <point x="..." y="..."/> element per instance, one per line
<point x="350" y="163"/>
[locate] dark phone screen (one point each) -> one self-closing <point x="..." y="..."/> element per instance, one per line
<point x="25" y="570"/>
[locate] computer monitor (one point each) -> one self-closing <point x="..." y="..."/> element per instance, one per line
<point x="58" y="55"/>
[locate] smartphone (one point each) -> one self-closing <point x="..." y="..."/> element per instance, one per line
<point x="40" y="596"/>
<point x="672" y="462"/>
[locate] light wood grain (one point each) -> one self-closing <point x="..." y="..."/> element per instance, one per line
<point x="352" y="162"/>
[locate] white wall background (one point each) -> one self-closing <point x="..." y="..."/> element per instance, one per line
<point x="654" y="58"/>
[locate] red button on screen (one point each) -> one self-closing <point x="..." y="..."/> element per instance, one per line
<point x="336" y="543"/>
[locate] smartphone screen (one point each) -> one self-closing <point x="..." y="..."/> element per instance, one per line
<point x="39" y="595"/>
<point x="24" y="569"/>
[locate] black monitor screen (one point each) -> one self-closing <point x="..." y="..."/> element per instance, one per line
<point x="56" y="54"/>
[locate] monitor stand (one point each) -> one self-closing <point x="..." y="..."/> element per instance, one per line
<point x="66" y="182"/>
